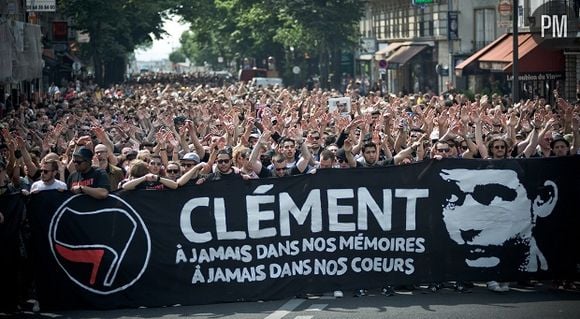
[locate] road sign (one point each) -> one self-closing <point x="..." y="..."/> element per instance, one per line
<point x="505" y="8"/>
<point x="383" y="64"/>
<point x="442" y="70"/>
<point x="76" y="66"/>
<point x="296" y="69"/>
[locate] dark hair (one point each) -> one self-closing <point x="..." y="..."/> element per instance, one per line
<point x="559" y="139"/>
<point x="369" y="144"/>
<point x="146" y="144"/>
<point x="221" y="152"/>
<point x="495" y="139"/>
<point x="327" y="155"/>
<point x="330" y="139"/>
<point x="131" y="156"/>
<point x="287" y="139"/>
<point x="174" y="163"/>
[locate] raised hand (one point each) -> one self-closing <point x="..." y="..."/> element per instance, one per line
<point x="464" y="115"/>
<point x="347" y="146"/>
<point x="230" y="129"/>
<point x="160" y="136"/>
<point x="475" y="118"/>
<point x="6" y="135"/>
<point x="376" y="138"/>
<point x="183" y="131"/>
<point x="512" y="120"/>
<point x="171" y="139"/>
<point x="20" y="143"/>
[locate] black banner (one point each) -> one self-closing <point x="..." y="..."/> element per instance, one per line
<point x="12" y="207"/>
<point x="337" y="229"/>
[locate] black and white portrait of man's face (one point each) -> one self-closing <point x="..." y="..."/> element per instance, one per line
<point x="488" y="208"/>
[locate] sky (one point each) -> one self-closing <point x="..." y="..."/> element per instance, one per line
<point x="162" y="47"/>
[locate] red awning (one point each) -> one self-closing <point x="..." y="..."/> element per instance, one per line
<point x="478" y="54"/>
<point x="533" y="57"/>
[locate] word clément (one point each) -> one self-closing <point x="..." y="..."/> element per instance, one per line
<point x="313" y="207"/>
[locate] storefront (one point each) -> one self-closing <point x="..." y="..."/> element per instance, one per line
<point x="541" y="68"/>
<point x="410" y="67"/>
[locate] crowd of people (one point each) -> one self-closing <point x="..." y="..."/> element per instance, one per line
<point x="167" y="131"/>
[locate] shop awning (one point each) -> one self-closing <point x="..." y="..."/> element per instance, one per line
<point x="532" y="56"/>
<point x="391" y="48"/>
<point x="384" y="52"/>
<point x="470" y="61"/>
<point x="404" y="54"/>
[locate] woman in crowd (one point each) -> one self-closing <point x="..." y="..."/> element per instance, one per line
<point x="141" y="178"/>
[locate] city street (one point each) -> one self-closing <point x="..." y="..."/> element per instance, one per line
<point x="541" y="302"/>
<point x="221" y="159"/>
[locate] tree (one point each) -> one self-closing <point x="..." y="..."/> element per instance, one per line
<point x="177" y="56"/>
<point x="263" y="28"/>
<point x="321" y="27"/>
<point x="232" y="29"/>
<point x="196" y="51"/>
<point x="116" y="30"/>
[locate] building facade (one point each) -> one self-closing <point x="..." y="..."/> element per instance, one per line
<point x="38" y="46"/>
<point x="545" y="64"/>
<point x="419" y="42"/>
<point x="20" y="54"/>
<point x="422" y="45"/>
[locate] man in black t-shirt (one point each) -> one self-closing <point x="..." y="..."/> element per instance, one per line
<point x="87" y="179"/>
<point x="370" y="157"/>
<point x="224" y="170"/>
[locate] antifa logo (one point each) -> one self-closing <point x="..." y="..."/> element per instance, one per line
<point x="102" y="245"/>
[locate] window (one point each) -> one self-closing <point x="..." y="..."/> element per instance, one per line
<point x="484" y="27"/>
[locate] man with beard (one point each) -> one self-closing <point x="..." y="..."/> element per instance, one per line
<point x="86" y="179"/>
<point x="114" y="173"/>
<point x="488" y="211"/>
<point x="224" y="170"/>
<point x="48" y="181"/>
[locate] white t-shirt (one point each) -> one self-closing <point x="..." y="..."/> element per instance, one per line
<point x="39" y="186"/>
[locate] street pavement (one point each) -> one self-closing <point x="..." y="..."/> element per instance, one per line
<point x="539" y="302"/>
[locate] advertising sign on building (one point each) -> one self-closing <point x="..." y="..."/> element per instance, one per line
<point x="368" y="45"/>
<point x="452" y="25"/>
<point x="40" y="5"/>
<point x="504" y="8"/>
